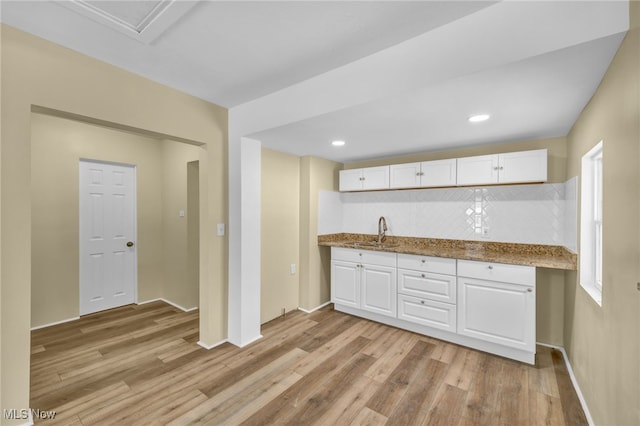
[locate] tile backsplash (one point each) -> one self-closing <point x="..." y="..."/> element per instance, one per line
<point x="536" y="214"/>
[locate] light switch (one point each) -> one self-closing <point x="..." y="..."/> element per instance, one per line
<point x="220" y="229"/>
<point x="292" y="269"/>
<point x="181" y="213"/>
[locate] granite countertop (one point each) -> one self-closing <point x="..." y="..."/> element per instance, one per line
<point x="542" y="256"/>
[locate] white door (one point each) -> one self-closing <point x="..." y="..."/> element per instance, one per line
<point x="107" y="236"/>
<point x="439" y="173"/>
<point x="375" y="177"/>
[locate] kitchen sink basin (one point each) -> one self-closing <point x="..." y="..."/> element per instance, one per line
<point x="375" y="244"/>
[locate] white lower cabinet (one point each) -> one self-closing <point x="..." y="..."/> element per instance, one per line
<point x="364" y="279"/>
<point x="487" y="306"/>
<point x="427" y="312"/>
<point x="497" y="303"/>
<point x="501" y="313"/>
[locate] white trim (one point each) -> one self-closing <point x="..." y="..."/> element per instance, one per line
<point x="209" y="347"/>
<point x="574" y="381"/>
<point x="38" y="327"/>
<point x="314" y="309"/>
<point x="175" y="305"/>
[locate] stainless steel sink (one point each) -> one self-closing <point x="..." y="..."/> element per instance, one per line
<point x="375" y="244"/>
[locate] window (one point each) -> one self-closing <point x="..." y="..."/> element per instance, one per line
<point x="591" y="223"/>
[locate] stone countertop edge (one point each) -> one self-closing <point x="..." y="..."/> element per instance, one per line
<point x="538" y="255"/>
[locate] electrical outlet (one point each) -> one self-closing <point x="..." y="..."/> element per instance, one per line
<point x="220" y="229"/>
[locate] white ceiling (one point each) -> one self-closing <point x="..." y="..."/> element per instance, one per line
<point x="234" y="52"/>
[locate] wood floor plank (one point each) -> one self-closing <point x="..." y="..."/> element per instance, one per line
<point x="390" y="359"/>
<point x="368" y="417"/>
<point x="445" y="410"/>
<point x="340" y="382"/>
<point x="481" y="407"/>
<point x="463" y="368"/>
<point x="285" y="406"/>
<point x="142" y="365"/>
<point x="345" y="409"/>
<point x="420" y="394"/>
<point x="217" y="407"/>
<point x="513" y="400"/>
<point x="393" y="389"/>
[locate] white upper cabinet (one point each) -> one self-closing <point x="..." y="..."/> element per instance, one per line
<point x="513" y="167"/>
<point x="369" y="178"/>
<point x="439" y="173"/>
<point x="427" y="174"/>
<point x="405" y="175"/>
<point x="525" y="166"/>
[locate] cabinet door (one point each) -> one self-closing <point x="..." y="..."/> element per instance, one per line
<point x="524" y="166"/>
<point x="351" y="180"/>
<point x="480" y="170"/>
<point x="345" y="283"/>
<point x="439" y="173"/>
<point x="375" y="178"/>
<point x="497" y="312"/>
<point x="379" y="289"/>
<point x="405" y="175"/>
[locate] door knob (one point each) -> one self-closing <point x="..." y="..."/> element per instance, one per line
<point x="129" y="243"/>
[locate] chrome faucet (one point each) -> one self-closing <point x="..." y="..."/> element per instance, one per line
<point x="382" y="229"/>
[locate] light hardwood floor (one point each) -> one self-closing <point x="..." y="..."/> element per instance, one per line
<point x="141" y="365"/>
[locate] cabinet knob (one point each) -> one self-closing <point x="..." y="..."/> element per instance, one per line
<point x="501" y="168"/>
<point x="423" y="276"/>
<point x="423" y="260"/>
<point x="422" y="302"/>
<point x="495" y="168"/>
<point x="530" y="290"/>
<point x="490" y="266"/>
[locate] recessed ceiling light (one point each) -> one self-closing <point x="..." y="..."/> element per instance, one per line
<point x="479" y="118"/>
<point x="338" y="143"/>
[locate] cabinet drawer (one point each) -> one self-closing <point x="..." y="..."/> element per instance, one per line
<point x="363" y="256"/>
<point x="427" y="312"/>
<point x="438" y="265"/>
<point x="516" y="274"/>
<point x="427" y="285"/>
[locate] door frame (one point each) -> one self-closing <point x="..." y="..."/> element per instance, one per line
<point x="134" y="167"/>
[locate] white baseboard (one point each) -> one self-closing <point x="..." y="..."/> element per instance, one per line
<point x="574" y="381"/>
<point x="55" y="323"/>
<point x="208" y="347"/>
<point x="314" y="309"/>
<point x="175" y="305"/>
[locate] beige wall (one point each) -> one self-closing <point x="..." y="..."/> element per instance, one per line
<point x="550" y="283"/>
<point x="280" y="230"/>
<point x="603" y="342"/>
<point x="36" y="72"/>
<point x="316" y="174"/>
<point x="177" y="287"/>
